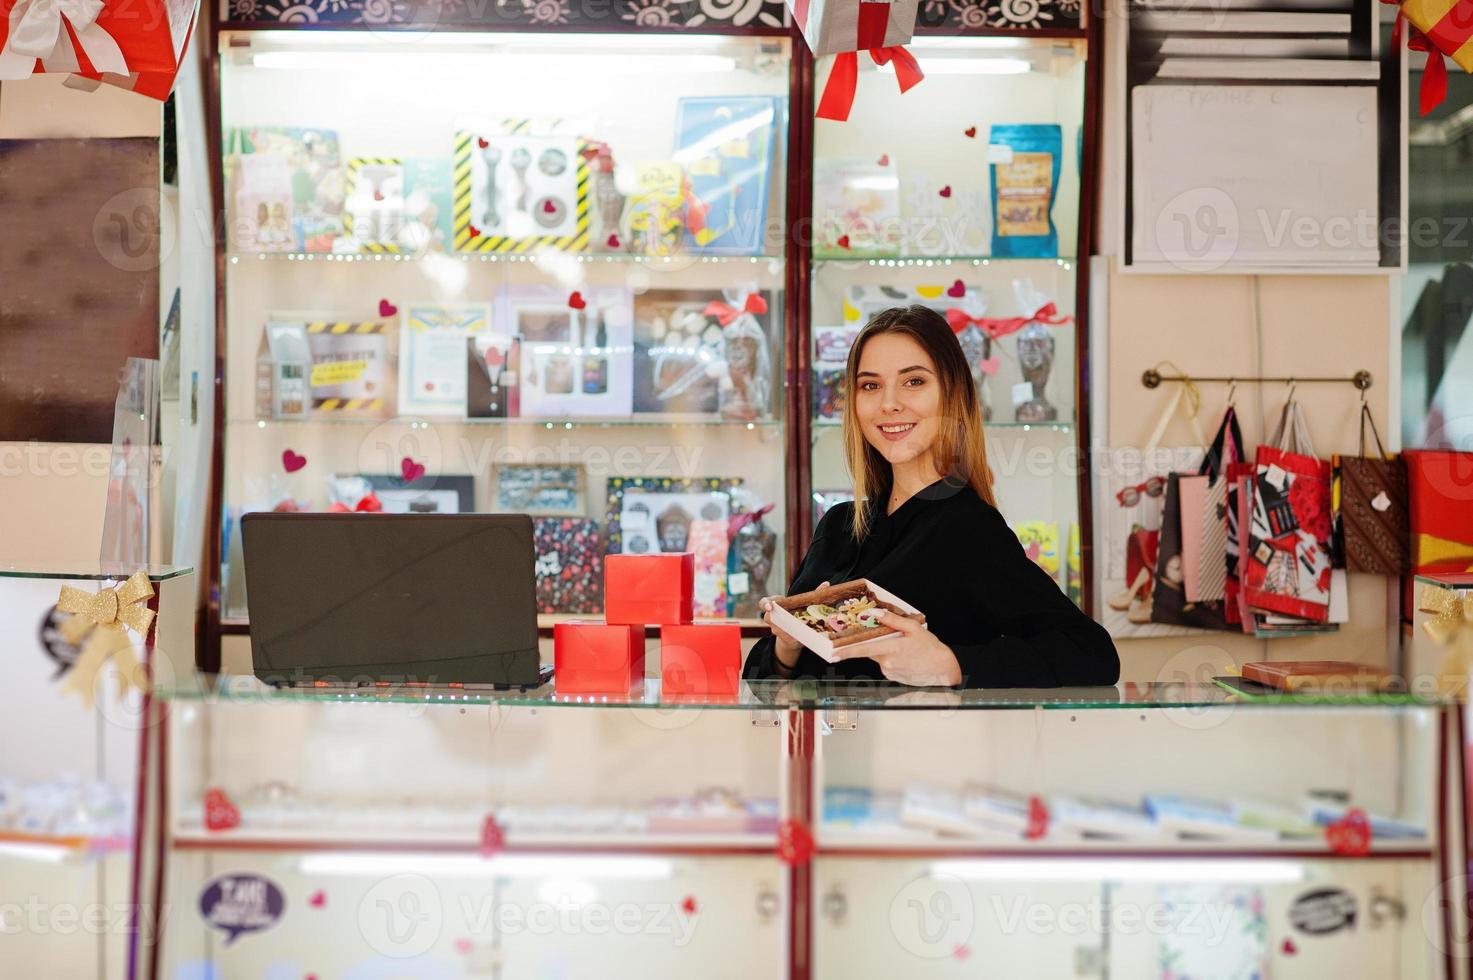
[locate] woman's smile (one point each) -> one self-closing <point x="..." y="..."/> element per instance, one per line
<point x="895" y="431"/>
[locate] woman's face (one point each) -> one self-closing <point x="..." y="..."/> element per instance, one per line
<point x="897" y="397"/>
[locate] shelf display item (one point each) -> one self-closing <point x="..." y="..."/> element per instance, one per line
<point x="840" y="616"/>
<point x="707" y="497"/>
<point x="318" y="185"/>
<point x="397" y="205"/>
<point x="700" y="658"/>
<point x="655" y="212"/>
<point x="675" y="522"/>
<point x="1025" y="180"/>
<point x="1239" y="951"/>
<point x="724" y="145"/>
<point x="1318" y="676"/>
<point x="493" y="362"/>
<point x="569" y="564"/>
<point x="433" y="375"/>
<point x="597" y="658"/>
<point x="856" y="209"/>
<point x="1371" y="525"/>
<point x="608" y="200"/>
<point x="830" y="357"/>
<point x="440" y="494"/>
<point x="524" y="185"/>
<point x="540" y="490"/>
<point x="351" y="375"/>
<point x="283" y="366"/>
<point x="1441" y="510"/>
<point x="649" y="589"/>
<point x="703" y="352"/>
<point x="709" y="543"/>
<point x="753" y="548"/>
<point x="1040" y="541"/>
<point x="575" y="350"/>
<point x="263" y="204"/>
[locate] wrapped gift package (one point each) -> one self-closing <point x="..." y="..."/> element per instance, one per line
<point x="597" y="658"/>
<point x="700" y="658"/>
<point x="1441" y="485"/>
<point x="649" y="590"/>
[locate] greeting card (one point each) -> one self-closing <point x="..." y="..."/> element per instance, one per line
<point x="316" y="174"/>
<point x="724" y="145"/>
<point x="856" y="209"/>
<point x="432" y="355"/>
<point x="397" y="205"/>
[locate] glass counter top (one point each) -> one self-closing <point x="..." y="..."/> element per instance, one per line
<point x="1448" y="580"/>
<point x="806" y="695"/>
<point x="91" y="571"/>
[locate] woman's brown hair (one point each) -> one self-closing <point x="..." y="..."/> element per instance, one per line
<point x="960" y="449"/>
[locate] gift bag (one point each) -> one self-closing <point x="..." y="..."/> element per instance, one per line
<point x="1169" y="602"/>
<point x="1204" y="514"/>
<point x="1372" y="528"/>
<point x="1130" y="491"/>
<point x="1288" y="561"/>
<point x="1441" y="499"/>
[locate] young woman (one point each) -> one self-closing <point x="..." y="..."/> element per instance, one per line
<point x="926" y="527"/>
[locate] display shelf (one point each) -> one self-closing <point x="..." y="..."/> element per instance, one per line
<point x="1015" y="262"/>
<point x="1000" y="426"/>
<point x="838" y="844"/>
<point x="771" y="264"/>
<point x="62" y="845"/>
<point x="195" y="839"/>
<point x="414" y="422"/>
<point x="91" y="571"/>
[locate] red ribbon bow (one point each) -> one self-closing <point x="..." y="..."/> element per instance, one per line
<point x="369" y="504"/>
<point x="1434" y="72"/>
<point x="736" y="522"/>
<point x="998" y="327"/>
<point x="838" y="91"/>
<point x="725" y="313"/>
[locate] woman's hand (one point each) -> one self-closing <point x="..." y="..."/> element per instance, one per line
<point x="913" y="656"/>
<point x="788" y="648"/>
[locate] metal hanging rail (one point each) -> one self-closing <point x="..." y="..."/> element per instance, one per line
<point x="1153" y="378"/>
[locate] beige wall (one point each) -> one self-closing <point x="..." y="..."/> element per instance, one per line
<point x="1320" y="325"/>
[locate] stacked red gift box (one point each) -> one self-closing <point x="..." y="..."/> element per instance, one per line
<point x="641" y="591"/>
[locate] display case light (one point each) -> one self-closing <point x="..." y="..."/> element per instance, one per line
<point x="1154" y="870"/>
<point x="478" y="62"/>
<point x="967" y="66"/>
<point x="34" y="851"/>
<point x="617" y="868"/>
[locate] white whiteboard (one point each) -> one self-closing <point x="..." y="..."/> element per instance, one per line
<point x="1261" y="175"/>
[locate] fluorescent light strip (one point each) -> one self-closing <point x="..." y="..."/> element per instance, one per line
<point x="1163" y="870"/>
<point x="354" y="40"/>
<point x="484" y="61"/>
<point x="967" y="66"/>
<point x="50" y="853"/>
<point x="501" y="866"/>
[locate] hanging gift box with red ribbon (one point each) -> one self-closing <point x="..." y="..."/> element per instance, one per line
<point x="1438" y="27"/>
<point x="846" y="27"/>
<point x="133" y="44"/>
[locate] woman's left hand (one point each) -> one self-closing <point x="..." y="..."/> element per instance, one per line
<point x="913" y="656"/>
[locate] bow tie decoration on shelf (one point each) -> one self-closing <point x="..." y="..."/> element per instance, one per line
<point x="1451" y="626"/>
<point x="1438" y="27"/>
<point x="725" y="313"/>
<point x="844" y="28"/>
<point x="367" y="504"/>
<point x="999" y="327"/>
<point x="102" y="620"/>
<point x="131" y="44"/>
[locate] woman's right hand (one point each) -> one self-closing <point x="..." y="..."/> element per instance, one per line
<point x="788" y="648"/>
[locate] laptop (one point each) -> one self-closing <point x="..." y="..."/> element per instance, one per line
<point x="392" y="599"/>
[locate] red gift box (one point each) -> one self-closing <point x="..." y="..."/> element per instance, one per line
<point x="700" y="658"/>
<point x="1441" y="506"/>
<point x="597" y="658"/>
<point x="653" y="590"/>
<point x="133" y="44"/>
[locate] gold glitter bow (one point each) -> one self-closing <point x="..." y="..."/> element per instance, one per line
<point x="1451" y="625"/>
<point x="103" y="619"/>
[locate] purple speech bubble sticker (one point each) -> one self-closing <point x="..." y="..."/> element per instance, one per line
<point x="241" y="903"/>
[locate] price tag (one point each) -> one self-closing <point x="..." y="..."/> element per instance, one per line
<point x="999" y="153"/>
<point x="1022" y="392"/>
<point x="737" y="583"/>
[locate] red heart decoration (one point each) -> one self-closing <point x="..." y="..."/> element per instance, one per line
<point x="318" y="899"/>
<point x="291" y="462"/>
<point x="957" y="290"/>
<point x="410" y="470"/>
<point x="614" y="242"/>
<point x="794" y="843"/>
<point x="220" y="813"/>
<point x="481" y="142"/>
<point x="494" y="357"/>
<point x="474" y="231"/>
<point x="378" y="195"/>
<point x="548" y="207"/>
<point x="386" y="309"/>
<point x="971" y="132"/>
<point x="961" y="952"/>
<point x="946" y="191"/>
<point x="493" y="838"/>
<point x="884" y="159"/>
<point x="1351" y="834"/>
<point x="1037" y="819"/>
<point x="843" y="241"/>
<point x="688" y="905"/>
<point x="1289" y="948"/>
<point x="310" y="976"/>
<point x="989" y="365"/>
<point x="576" y="300"/>
<point x="463" y="947"/>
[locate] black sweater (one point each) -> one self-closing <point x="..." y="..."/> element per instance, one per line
<point x="951" y="555"/>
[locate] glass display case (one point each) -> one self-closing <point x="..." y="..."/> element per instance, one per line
<point x="965" y="196"/>
<point x="539" y="273"/>
<point x="802" y="829"/>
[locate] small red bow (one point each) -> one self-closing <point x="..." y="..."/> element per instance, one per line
<point x="996" y="327"/>
<point x="725" y="313"/>
<point x="1434" y="72"/>
<point x="369" y="504"/>
<point x="736" y="522"/>
<point x="838" y="91"/>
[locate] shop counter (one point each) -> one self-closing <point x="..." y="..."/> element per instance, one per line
<point x="806" y="829"/>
